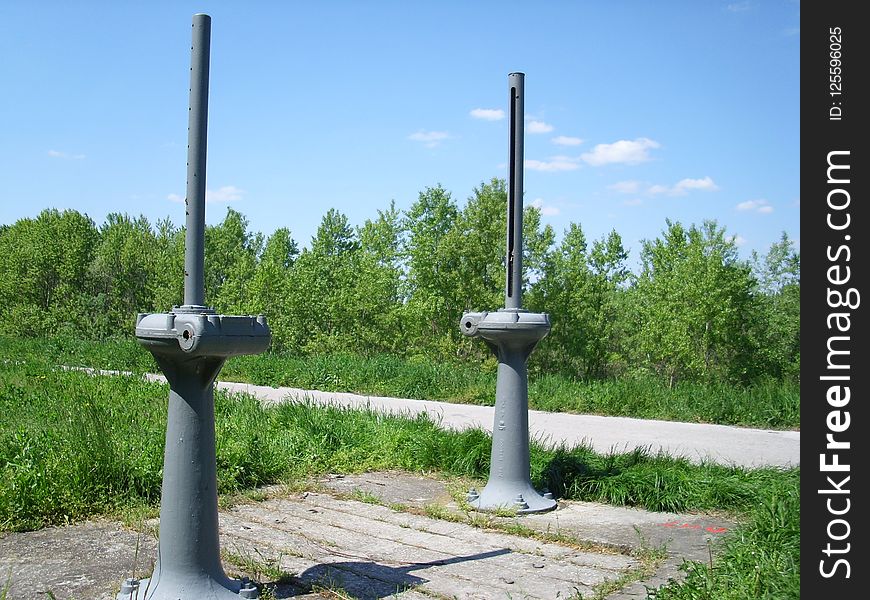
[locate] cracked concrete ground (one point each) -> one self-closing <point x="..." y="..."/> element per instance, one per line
<point x="302" y="545"/>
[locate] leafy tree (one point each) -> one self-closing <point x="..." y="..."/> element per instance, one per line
<point x="537" y="245"/>
<point x="322" y="297"/>
<point x="580" y="288"/>
<point x="477" y="245"/>
<point x="269" y="286"/>
<point x="693" y="306"/>
<point x="399" y="283"/>
<point x="230" y="261"/>
<point x="432" y="274"/>
<point x="381" y="282"/>
<point x="779" y="278"/>
<point x="123" y="273"/>
<point x="44" y="275"/>
<point x="167" y="274"/>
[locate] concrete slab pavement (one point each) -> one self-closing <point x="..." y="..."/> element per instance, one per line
<point x="324" y="544"/>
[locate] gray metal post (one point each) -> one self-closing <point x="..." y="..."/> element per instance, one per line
<point x="511" y="333"/>
<point x="197" y="132"/>
<point x="513" y="295"/>
<point x="191" y="344"/>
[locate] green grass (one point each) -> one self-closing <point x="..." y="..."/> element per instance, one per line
<point x="771" y="404"/>
<point x="73" y="445"/>
<point x="759" y="560"/>
<point x="117" y="353"/>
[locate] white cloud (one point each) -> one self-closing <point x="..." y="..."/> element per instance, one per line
<point x="538" y="127"/>
<point x="739" y="6"/>
<point x="684" y="185"/>
<point x="65" y="155"/>
<point x="566" y="140"/>
<point x="630" y="152"/>
<point x="760" y="206"/>
<point x="227" y="193"/>
<point x="625" y="187"/>
<point x="658" y="189"/>
<point x="555" y="163"/>
<point x="681" y="188"/>
<point x="633" y="202"/>
<point x="488" y="114"/>
<point x="430" y="139"/>
<point x="738" y="240"/>
<point x="546" y="209"/>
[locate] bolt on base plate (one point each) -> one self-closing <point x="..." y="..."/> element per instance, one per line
<point x="203" y="588"/>
<point x="503" y="496"/>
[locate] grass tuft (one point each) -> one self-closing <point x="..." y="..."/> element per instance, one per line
<point x="760" y="560"/>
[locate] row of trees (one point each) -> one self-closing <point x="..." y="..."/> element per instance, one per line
<point x="400" y="282"/>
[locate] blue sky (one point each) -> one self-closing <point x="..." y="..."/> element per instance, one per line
<point x="635" y="111"/>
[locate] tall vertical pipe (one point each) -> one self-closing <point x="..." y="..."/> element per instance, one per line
<point x="197" y="129"/>
<point x="190" y="345"/>
<point x="513" y="297"/>
<point x="511" y="333"/>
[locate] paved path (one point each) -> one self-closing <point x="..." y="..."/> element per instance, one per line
<point x="695" y="441"/>
<point x="301" y="545"/>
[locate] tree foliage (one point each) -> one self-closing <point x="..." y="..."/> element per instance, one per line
<point x="693" y="305"/>
<point x="399" y="283"/>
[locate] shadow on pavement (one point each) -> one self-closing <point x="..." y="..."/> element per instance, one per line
<point x="369" y="580"/>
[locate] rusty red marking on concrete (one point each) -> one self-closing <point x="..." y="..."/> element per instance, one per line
<point x="678" y="525"/>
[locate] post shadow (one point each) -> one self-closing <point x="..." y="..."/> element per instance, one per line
<point x="369" y="580"/>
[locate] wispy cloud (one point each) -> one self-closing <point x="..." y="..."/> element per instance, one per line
<point x="430" y="139"/>
<point x="633" y="202"/>
<point x="738" y="240"/>
<point x="555" y="163"/>
<point x="736" y="7"/>
<point x="538" y="127"/>
<point x="65" y="155"/>
<point x="488" y="114"/>
<point x="227" y="193"/>
<point x="681" y="188"/>
<point x="760" y="206"/>
<point x="625" y="187"/>
<point x="548" y="210"/>
<point x="566" y="140"/>
<point x="630" y="152"/>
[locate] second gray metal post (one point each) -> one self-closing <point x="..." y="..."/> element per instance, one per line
<point x="511" y="333"/>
